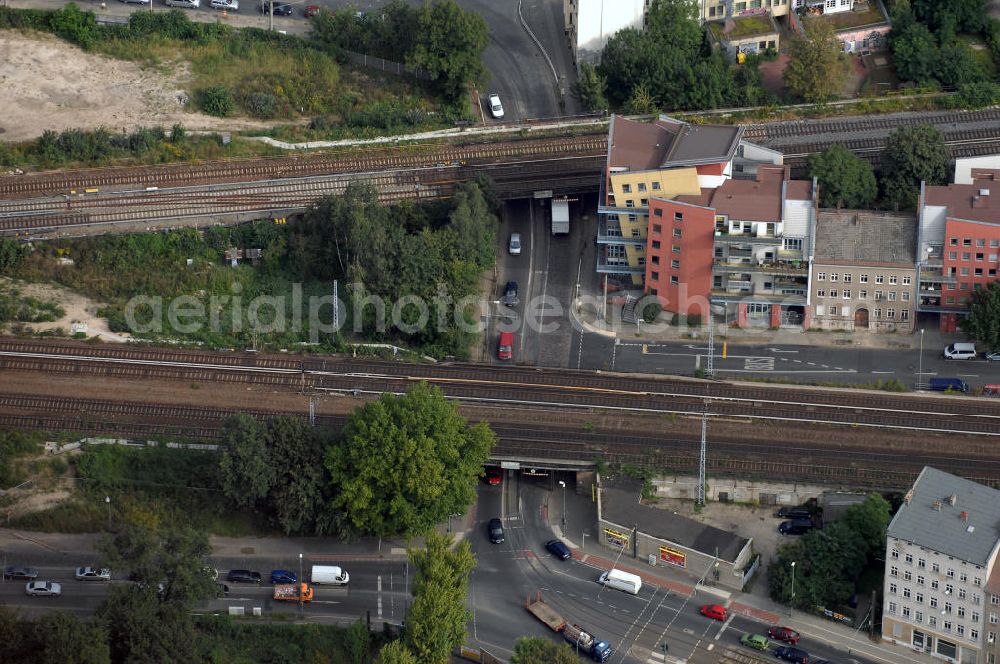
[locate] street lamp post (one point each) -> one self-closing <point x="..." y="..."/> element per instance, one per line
<point x="563" y="485"/>
<point x="793" y="589"/>
<point x="920" y="371"/>
<point x="107" y="499"/>
<point x="301" y="607"/>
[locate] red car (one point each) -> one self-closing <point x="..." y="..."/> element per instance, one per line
<point x="311" y="10"/>
<point x="494" y="475"/>
<point x="714" y="611"/>
<point x="784" y="634"/>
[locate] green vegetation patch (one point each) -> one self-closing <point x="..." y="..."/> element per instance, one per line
<point x="221" y="640"/>
<point x="14" y="446"/>
<point x="15" y="307"/>
<point x="746" y="26"/>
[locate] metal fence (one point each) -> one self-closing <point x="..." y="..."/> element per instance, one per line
<point x="387" y="66"/>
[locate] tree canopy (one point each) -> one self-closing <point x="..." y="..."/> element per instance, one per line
<point x="276" y="466"/>
<point x="983" y="321"/>
<point x="924" y="48"/>
<point x="669" y="65"/>
<point x="829" y="561"/>
<point x="911" y="155"/>
<point x="436" y="623"/>
<point x="845" y="180"/>
<point x="55" y="638"/>
<point x="406" y="463"/>
<point x="817" y="66"/>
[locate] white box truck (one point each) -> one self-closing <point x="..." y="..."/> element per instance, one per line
<point x="329" y="575"/>
<point x="560" y="216"/>
<point x="619" y="580"/>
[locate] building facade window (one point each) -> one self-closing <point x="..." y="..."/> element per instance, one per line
<point x="821" y="276"/>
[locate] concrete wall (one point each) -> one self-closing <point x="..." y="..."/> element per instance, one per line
<point x="740" y="491"/>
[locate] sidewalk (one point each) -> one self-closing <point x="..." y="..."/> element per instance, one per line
<point x="588" y="318"/>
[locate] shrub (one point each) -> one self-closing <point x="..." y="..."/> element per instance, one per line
<point x="261" y="105"/>
<point x="217" y="101"/>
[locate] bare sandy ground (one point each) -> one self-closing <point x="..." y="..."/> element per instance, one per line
<point x="50" y="84"/>
<point x="79" y="310"/>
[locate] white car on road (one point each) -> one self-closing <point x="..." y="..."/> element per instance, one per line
<point x="496" y="108"/>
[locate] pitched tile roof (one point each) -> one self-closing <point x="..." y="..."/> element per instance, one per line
<point x="668" y="143"/>
<point x="973" y="202"/>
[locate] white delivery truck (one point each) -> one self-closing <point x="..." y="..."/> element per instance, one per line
<point x="329" y="575"/>
<point x="629" y="583"/>
<point x="560" y="216"/>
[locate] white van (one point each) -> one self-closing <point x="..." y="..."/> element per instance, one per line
<point x="190" y="4"/>
<point x="619" y="580"/>
<point x="329" y="575"/>
<point x="960" y="351"/>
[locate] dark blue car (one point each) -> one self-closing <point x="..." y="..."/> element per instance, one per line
<point x="283" y="576"/>
<point x="558" y="549"/>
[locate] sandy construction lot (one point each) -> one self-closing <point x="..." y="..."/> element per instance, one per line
<point x="50" y="84"/>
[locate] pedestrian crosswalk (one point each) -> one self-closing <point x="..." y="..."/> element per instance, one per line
<point x="660" y="658"/>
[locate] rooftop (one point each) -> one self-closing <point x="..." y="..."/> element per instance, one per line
<point x="620" y="505"/>
<point x="951" y="515"/>
<point x="979" y="201"/>
<point x="853" y="237"/>
<point x="752" y="200"/>
<point x="668" y="143"/>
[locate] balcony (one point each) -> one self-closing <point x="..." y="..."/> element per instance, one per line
<point x="609" y="232"/>
<point x="725" y="237"/>
<point x="793" y="268"/>
<point x="931" y="276"/>
<point x="607" y="265"/>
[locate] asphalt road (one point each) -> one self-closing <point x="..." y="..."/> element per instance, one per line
<point x="380" y="588"/>
<point x="635" y="626"/>
<point x="849" y="365"/>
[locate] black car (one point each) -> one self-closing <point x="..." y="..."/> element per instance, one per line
<point x="20" y="572"/>
<point x="795" y="527"/>
<point x="790" y="654"/>
<point x="510" y="294"/>
<point x="243" y="576"/>
<point x="794" y="513"/>
<point x="496" y="531"/>
<point x="558" y="549"/>
<point x="280" y="8"/>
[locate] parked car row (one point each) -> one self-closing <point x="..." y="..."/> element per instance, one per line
<point x="321" y="574"/>
<point x="264" y="6"/>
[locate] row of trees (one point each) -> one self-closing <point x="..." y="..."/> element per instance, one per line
<point x="829" y="561"/>
<point x="439" y="39"/>
<point x="401" y="465"/>
<point x="912" y="155"/>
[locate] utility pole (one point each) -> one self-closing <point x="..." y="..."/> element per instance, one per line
<point x="710" y="361"/>
<point x="336" y="308"/>
<point x="312" y="412"/>
<point x="701" y="455"/>
<point x="270" y="17"/>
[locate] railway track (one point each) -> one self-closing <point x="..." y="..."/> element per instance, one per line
<point x="141" y="420"/>
<point x="578" y="391"/>
<point x="354" y="159"/>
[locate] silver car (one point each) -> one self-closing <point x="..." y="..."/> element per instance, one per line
<point x="228" y="5"/>
<point x="92" y="574"/>
<point x="515" y="244"/>
<point x="43" y="589"/>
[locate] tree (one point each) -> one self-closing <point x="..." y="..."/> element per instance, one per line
<point x="449" y="46"/>
<point x="436" y="622"/>
<point x="829" y="561"/>
<point x="174" y="557"/>
<point x="395" y="652"/>
<point x="297" y="498"/>
<point x="983" y="321"/>
<point x="817" y="67"/>
<point x="63" y="639"/>
<point x="589" y="88"/>
<point x="845" y="180"/>
<point x="141" y="628"/>
<point x="914" y="52"/>
<point x="912" y="155"/>
<point x="246" y="471"/>
<point x="406" y="463"/>
<point x="539" y="650"/>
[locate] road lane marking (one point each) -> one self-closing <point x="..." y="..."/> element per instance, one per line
<point x="379" y="595"/>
